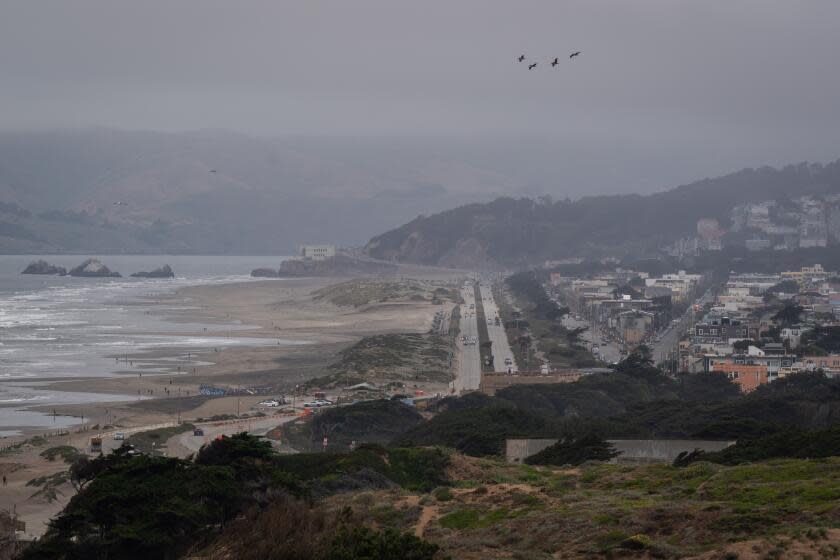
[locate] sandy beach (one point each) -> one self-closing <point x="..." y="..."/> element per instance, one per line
<point x="311" y="330"/>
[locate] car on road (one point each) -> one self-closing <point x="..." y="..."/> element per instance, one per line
<point x="198" y="432"/>
<point x="317" y="403"/>
<point x="119" y="436"/>
<point x="508" y="361"/>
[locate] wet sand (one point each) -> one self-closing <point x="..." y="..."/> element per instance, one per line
<point x="278" y="309"/>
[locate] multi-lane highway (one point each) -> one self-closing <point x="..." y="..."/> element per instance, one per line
<point x="503" y="358"/>
<point x="468" y="375"/>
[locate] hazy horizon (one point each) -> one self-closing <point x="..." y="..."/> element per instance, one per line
<point x="664" y="93"/>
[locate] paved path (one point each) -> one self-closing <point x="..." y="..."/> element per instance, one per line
<point x="468" y="375"/>
<point x="184" y="444"/>
<point x="501" y="346"/>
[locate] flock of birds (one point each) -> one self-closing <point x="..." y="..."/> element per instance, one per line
<point x="554" y="62"/>
<point x="521" y="58"/>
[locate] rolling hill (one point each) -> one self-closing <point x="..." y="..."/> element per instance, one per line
<point x="214" y="192"/>
<point x="518" y="232"/>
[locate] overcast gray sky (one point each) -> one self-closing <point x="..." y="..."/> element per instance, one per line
<point x="749" y="81"/>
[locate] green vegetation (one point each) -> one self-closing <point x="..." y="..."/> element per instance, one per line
<point x="367" y="421"/>
<point x="48" y="486"/>
<point x="485" y="345"/>
<point x="784" y="287"/>
<point x="238" y="499"/>
<point x="789" y="315"/>
<point x="804" y="444"/>
<point x="362" y="543"/>
<point x="290" y="529"/>
<point x="516" y="232"/>
<point x="826" y="339"/>
<point x="476" y="425"/>
<point x="543" y="323"/>
<point x="413" y="469"/>
<point x="635" y="401"/>
<point x="152" y="442"/>
<point x="141" y="506"/>
<point x="68" y="453"/>
<point x="659" y="510"/>
<point x="357" y="293"/>
<point x="573" y="450"/>
<point x="388" y="357"/>
<point x="473" y="519"/>
<point x="36" y="441"/>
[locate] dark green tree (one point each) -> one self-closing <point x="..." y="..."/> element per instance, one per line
<point x="572" y="450"/>
<point x="362" y="543"/>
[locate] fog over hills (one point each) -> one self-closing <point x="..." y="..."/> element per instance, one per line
<point x="216" y="192"/>
<point x="519" y="232"/>
<point x="107" y="190"/>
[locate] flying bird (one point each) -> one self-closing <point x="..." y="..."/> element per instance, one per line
<point x="555" y="62"/>
<point x="212" y="171"/>
<point x="532" y="66"/>
<point x="119" y="203"/>
<point x="521" y="58"/>
<point x="574" y="54"/>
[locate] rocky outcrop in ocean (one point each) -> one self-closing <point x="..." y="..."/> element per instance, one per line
<point x="43" y="267"/>
<point x="163" y="272"/>
<point x="92" y="268"/>
<point x="264" y="273"/>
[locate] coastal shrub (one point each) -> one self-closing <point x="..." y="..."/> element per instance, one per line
<point x="574" y="451"/>
<point x="414" y="469"/>
<point x="150" y="442"/>
<point x="363" y="543"/>
<point x="476" y="431"/>
<point x="802" y="444"/>
<point x="68" y="453"/>
<point x="371" y="421"/>
<point x="141" y="507"/>
<point x="471" y="518"/>
<point x="293" y="529"/>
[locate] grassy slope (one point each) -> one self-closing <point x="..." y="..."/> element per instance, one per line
<point x="392" y="357"/>
<point x="357" y="293"/>
<point x="497" y="510"/>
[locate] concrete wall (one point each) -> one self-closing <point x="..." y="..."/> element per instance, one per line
<point x="639" y="450"/>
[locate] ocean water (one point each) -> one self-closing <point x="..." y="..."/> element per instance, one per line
<point x="61" y="327"/>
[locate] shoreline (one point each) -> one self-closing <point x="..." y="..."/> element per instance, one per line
<point x="284" y="309"/>
<point x="311" y="332"/>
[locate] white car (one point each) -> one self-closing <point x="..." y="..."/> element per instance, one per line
<point x="119" y="436"/>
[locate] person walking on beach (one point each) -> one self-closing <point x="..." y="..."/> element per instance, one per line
<point x="4" y="480"/>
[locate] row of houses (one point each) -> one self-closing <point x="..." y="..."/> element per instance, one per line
<point x="738" y="335"/>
